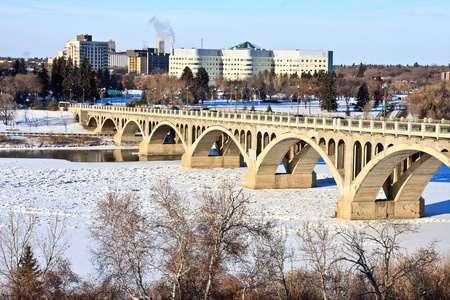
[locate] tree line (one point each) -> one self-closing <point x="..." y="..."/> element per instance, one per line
<point x="368" y="84"/>
<point x="66" y="81"/>
<point x="213" y="248"/>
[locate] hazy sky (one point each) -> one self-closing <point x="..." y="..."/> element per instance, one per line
<point x="368" y="31"/>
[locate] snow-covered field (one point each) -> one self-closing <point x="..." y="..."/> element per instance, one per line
<point x="46" y="185"/>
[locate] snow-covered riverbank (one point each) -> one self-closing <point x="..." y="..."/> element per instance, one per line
<point x="45" y="185"/>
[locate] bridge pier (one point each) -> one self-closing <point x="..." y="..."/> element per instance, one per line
<point x="161" y="149"/>
<point x="279" y="181"/>
<point x="207" y="162"/>
<point x="380" y="209"/>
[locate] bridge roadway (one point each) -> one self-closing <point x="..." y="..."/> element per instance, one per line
<point x="380" y="167"/>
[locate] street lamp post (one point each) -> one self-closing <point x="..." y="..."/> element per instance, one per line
<point x="83" y="95"/>
<point x="235" y="95"/>
<point x="309" y="100"/>
<point x="298" y="98"/>
<point x="253" y="100"/>
<point x="384" y="101"/>
<point x="187" y="96"/>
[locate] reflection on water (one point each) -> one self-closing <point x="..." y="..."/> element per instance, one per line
<point x="107" y="155"/>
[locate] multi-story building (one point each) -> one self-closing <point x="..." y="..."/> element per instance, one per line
<point x="147" y="60"/>
<point x="97" y="53"/>
<point x="118" y="59"/>
<point x="246" y="59"/>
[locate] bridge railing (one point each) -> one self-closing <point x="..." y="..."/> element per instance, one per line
<point x="426" y="128"/>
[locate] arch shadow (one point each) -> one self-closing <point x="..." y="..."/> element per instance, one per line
<point x="436" y="209"/>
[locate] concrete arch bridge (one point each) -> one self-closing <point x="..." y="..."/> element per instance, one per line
<point x="380" y="167"/>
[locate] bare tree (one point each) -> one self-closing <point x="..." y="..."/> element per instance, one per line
<point x="17" y="240"/>
<point x="347" y="88"/>
<point x="123" y="239"/>
<point x="222" y="217"/>
<point x="53" y="245"/>
<point x="176" y="233"/>
<point x="13" y="239"/>
<point x="318" y="247"/>
<point x="7" y="108"/>
<point x="275" y="254"/>
<point x="385" y="240"/>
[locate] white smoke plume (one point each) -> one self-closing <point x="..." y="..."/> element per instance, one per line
<point x="163" y="30"/>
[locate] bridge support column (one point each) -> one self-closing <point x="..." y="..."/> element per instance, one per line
<point x="279" y="181"/>
<point x="117" y="139"/>
<point x="380" y="209"/>
<point x="207" y="162"/>
<point x="161" y="149"/>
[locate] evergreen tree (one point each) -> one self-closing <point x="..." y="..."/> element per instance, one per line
<point x="88" y="83"/>
<point x="45" y="80"/>
<point x="187" y="77"/>
<point x="328" y="93"/>
<point x="362" y="97"/>
<point x="25" y="283"/>
<point x="57" y="78"/>
<point x="19" y="67"/>
<point x="201" y="88"/>
<point x="70" y="77"/>
<point x="360" y="71"/>
<point x="99" y="75"/>
<point x="377" y="97"/>
<point x="106" y="79"/>
<point x="115" y="85"/>
<point x="143" y="100"/>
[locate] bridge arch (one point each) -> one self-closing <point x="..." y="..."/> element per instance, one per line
<point x="93" y="122"/>
<point x="129" y="130"/>
<point x="108" y="126"/>
<point x="303" y="163"/>
<point x="410" y="185"/>
<point x="159" y="134"/>
<point x="208" y="138"/>
<point x="156" y="144"/>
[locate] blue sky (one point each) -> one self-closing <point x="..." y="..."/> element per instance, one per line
<point x="368" y="31"/>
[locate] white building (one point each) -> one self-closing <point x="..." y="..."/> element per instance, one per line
<point x="118" y="59"/>
<point x="97" y="53"/>
<point x="246" y="60"/>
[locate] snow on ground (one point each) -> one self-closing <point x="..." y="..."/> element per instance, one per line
<point x="73" y="188"/>
<point x="43" y="121"/>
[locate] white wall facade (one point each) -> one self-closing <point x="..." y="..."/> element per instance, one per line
<point x="243" y="63"/>
<point x="118" y="60"/>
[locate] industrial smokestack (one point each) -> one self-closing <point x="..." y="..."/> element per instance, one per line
<point x="160" y="46"/>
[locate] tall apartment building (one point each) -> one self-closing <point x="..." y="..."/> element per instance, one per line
<point x="97" y="53"/>
<point x="246" y="60"/>
<point x="148" y="59"/>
